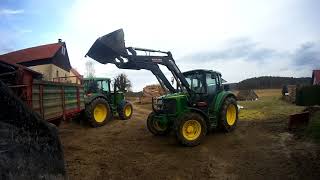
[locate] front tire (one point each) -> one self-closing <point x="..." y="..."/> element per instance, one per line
<point x="155" y="127"/>
<point x="125" y="110"/>
<point x="98" y="112"/>
<point x="191" y="129"/>
<point x="229" y="114"/>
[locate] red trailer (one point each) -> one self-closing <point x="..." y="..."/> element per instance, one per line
<point x="53" y="101"/>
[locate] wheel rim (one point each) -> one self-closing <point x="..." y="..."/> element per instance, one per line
<point x="158" y="126"/>
<point x="231" y="114"/>
<point x="191" y="130"/>
<point x="100" y="112"/>
<point x="127" y="111"/>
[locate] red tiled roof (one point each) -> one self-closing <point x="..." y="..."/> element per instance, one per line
<point x="30" y="54"/>
<point x="17" y="66"/>
<point x="316" y="76"/>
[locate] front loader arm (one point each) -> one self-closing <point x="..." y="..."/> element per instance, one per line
<point x="138" y="63"/>
<point x="111" y="49"/>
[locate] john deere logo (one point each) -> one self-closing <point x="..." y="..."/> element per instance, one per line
<point x="157" y="60"/>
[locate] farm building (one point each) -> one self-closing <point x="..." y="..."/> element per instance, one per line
<point x="51" y="60"/>
<point x="316" y="77"/>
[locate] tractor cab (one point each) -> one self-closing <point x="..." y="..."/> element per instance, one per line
<point x="204" y="81"/>
<point x="96" y="85"/>
<point x="205" y="84"/>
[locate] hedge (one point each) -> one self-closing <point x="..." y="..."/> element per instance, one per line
<point x="308" y="95"/>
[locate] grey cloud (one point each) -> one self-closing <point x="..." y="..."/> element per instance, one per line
<point x="308" y="55"/>
<point x="242" y="48"/>
<point x="305" y="56"/>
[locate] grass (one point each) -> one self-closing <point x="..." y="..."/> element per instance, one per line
<point x="267" y="107"/>
<point x="313" y="129"/>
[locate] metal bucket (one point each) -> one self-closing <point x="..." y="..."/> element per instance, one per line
<point x="108" y="47"/>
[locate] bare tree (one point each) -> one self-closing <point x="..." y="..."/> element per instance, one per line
<point x="122" y="82"/>
<point x="90" y="71"/>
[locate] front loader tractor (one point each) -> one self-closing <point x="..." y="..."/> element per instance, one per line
<point x="102" y="104"/>
<point x="197" y="105"/>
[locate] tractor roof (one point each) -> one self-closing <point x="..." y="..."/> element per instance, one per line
<point x="96" y="79"/>
<point x="201" y="71"/>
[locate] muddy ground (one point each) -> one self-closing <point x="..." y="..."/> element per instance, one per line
<point x="126" y="150"/>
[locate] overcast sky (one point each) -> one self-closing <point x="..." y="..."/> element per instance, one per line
<point x="240" y="38"/>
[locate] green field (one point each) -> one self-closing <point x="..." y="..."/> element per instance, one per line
<point x="271" y="107"/>
<point x="265" y="108"/>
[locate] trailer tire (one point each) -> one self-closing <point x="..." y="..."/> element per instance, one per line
<point x="125" y="110"/>
<point x="98" y="112"/>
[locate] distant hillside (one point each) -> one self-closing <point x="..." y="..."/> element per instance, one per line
<point x="269" y="82"/>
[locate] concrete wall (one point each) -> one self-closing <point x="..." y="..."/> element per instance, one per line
<point x="51" y="72"/>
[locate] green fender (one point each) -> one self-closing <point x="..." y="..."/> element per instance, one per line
<point x="220" y="99"/>
<point x="89" y="99"/>
<point x="215" y="107"/>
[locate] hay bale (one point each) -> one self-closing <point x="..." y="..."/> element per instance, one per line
<point x="29" y="146"/>
<point x="247" y="95"/>
<point x="149" y="92"/>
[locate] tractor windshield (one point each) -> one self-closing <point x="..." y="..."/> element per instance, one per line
<point x="93" y="86"/>
<point x="196" y="82"/>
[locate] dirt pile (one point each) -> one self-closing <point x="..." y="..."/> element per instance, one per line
<point x="149" y="92"/>
<point x="247" y="95"/>
<point x="29" y="146"/>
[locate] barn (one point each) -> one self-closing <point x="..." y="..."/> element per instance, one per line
<point x="51" y="60"/>
<point x="316" y="77"/>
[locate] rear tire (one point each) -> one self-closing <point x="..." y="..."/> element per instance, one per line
<point x="155" y="128"/>
<point x="98" y="112"/>
<point x="191" y="129"/>
<point x="125" y="110"/>
<point x="229" y="115"/>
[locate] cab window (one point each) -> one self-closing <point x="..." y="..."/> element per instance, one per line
<point x="211" y="83"/>
<point x="196" y="83"/>
<point x="105" y="86"/>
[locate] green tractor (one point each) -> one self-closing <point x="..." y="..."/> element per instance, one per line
<point x="198" y="104"/>
<point x="102" y="104"/>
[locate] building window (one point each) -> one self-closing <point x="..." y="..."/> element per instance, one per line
<point x="63" y="50"/>
<point x="57" y="73"/>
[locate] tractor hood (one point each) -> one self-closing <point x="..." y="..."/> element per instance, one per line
<point x="108" y="47"/>
<point x="173" y="95"/>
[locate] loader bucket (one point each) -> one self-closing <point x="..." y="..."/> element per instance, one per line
<point x="108" y="47"/>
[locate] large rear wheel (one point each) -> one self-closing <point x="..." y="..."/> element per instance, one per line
<point x="98" y="112"/>
<point x="155" y="126"/>
<point x="191" y="128"/>
<point x="229" y="114"/>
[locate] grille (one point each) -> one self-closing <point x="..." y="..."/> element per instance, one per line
<point x="169" y="106"/>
